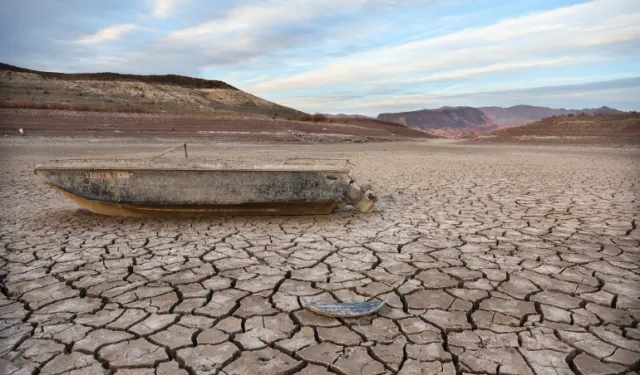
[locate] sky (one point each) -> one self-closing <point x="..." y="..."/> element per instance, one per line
<point x="349" y="56"/>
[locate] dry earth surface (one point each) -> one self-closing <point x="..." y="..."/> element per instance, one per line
<point x="508" y="259"/>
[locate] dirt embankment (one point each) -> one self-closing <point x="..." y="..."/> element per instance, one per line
<point x="601" y="128"/>
<point x="74" y="123"/>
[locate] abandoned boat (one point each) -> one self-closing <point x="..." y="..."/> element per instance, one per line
<point x="187" y="187"/>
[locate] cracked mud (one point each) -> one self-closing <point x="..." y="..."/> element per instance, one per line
<point x="515" y="260"/>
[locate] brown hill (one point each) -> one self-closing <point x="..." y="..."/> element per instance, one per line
<point x="112" y="104"/>
<point x="576" y="128"/>
<point x="174" y="79"/>
<point x="148" y="93"/>
<point x="445" y="120"/>
<point x="524" y="114"/>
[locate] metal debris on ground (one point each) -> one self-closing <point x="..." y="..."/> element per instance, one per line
<point x="347" y="309"/>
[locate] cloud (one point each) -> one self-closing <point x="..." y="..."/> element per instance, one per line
<point x="163" y="8"/>
<point x="258" y="29"/>
<point x="108" y="34"/>
<point x="249" y="21"/>
<point x="553" y="33"/>
<point x="491" y="68"/>
<point x="219" y="34"/>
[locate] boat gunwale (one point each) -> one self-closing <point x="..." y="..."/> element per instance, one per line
<point x="189" y="169"/>
<point x="143" y="164"/>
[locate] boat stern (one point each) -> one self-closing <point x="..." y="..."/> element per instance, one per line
<point x="360" y="198"/>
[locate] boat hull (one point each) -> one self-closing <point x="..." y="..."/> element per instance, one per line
<point x="203" y="190"/>
<point x="202" y="210"/>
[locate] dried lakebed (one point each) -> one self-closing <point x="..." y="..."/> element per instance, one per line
<point x="497" y="260"/>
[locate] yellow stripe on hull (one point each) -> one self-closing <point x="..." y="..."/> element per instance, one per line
<point x="159" y="210"/>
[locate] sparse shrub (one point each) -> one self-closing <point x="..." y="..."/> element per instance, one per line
<point x="318" y="117"/>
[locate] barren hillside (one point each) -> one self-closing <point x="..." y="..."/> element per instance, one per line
<point x="111" y="104"/>
<point x="151" y="93"/>
<point x="576" y="128"/>
<point x="525" y="114"/>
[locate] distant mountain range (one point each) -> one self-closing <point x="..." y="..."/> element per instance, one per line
<point x="469" y="120"/>
<point x="444" y="121"/>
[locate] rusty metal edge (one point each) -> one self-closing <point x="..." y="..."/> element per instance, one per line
<point x="154" y="210"/>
